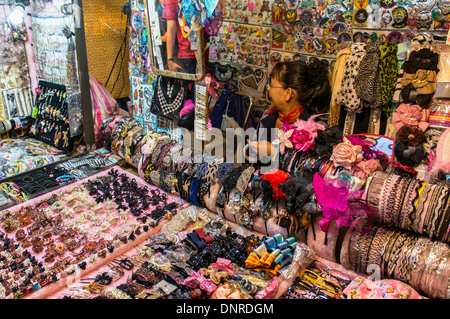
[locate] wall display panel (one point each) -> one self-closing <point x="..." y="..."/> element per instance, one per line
<point x="241" y="44"/>
<point x="311" y="27"/>
<point x="16" y="98"/>
<point x="106" y="26"/>
<point x="251" y="12"/>
<point x="402" y="15"/>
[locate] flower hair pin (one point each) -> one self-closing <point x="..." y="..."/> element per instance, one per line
<point x="339" y="203"/>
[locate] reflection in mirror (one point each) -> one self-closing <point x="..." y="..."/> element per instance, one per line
<point x="176" y="49"/>
<point x="379" y="142"/>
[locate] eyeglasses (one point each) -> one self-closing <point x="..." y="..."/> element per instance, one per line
<point x="268" y="86"/>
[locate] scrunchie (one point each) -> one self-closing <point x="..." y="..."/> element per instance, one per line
<point x="409" y="155"/>
<point x="410" y="135"/>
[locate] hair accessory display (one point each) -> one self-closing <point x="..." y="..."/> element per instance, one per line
<point x="338" y="203"/>
<point x="52" y="119"/>
<point x="413" y="115"/>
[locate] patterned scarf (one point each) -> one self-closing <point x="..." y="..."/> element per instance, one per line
<point x="367" y="82"/>
<point x="290" y="118"/>
<point x="388" y="73"/>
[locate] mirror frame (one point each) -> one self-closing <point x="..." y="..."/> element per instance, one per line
<point x="180" y="75"/>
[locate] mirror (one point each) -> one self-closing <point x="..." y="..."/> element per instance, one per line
<point x="380" y="142"/>
<point x="185" y="47"/>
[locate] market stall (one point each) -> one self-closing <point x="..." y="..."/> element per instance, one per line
<point x="160" y="203"/>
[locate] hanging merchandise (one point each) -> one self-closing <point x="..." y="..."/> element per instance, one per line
<point x="50" y="47"/>
<point x="347" y="96"/>
<point x="52" y="124"/>
<point x="232" y="110"/>
<point x="442" y="80"/>
<point x="169" y="97"/>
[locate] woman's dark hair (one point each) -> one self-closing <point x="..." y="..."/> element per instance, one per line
<point x="309" y="80"/>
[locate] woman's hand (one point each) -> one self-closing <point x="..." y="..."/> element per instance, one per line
<point x="259" y="148"/>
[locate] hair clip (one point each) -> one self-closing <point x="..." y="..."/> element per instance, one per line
<point x="124" y="263"/>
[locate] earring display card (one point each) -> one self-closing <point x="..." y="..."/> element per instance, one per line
<point x="51" y="113"/>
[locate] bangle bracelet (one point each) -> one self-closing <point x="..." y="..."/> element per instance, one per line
<point x="170" y="59"/>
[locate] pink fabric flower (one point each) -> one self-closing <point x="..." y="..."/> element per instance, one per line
<point x="410" y="114"/>
<point x="304" y="133"/>
<point x="346" y="154"/>
<point x="363" y="169"/>
<point x="309" y="125"/>
<point x="335" y="201"/>
<point x="302" y="140"/>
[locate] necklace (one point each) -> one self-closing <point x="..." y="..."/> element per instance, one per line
<point x="166" y="107"/>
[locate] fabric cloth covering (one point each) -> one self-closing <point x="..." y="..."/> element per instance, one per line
<point x="23" y="154"/>
<point x="362" y="288"/>
<point x="104" y="106"/>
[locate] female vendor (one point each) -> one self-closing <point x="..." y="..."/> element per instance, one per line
<point x="296" y="90"/>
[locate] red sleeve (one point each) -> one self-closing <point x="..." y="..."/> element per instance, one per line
<point x="170" y="10"/>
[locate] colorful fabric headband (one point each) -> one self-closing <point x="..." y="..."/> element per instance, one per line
<point x="362" y="288"/>
<point x="410" y="114"/>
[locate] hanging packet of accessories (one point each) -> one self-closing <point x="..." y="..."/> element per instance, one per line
<point x="50" y="112"/>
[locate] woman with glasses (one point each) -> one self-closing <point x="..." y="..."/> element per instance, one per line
<point x="296" y="90"/>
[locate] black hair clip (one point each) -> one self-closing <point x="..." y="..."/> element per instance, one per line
<point x="82" y="265"/>
<point x="124" y="263"/>
<point x="104" y="279"/>
<point x="142" y="219"/>
<point x="135" y="211"/>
